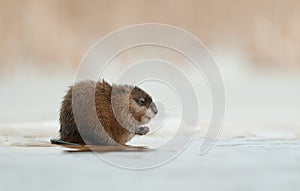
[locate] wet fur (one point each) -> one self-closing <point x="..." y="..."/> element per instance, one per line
<point x="99" y="126"/>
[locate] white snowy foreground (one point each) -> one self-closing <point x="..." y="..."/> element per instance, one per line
<point x="232" y="164"/>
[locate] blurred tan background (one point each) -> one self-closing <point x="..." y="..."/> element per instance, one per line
<point x="48" y="34"/>
<point x="256" y="44"/>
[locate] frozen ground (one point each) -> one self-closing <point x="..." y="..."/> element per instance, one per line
<point x="232" y="164"/>
<point x="258" y="149"/>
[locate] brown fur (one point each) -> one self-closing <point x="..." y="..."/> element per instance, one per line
<point x="88" y="110"/>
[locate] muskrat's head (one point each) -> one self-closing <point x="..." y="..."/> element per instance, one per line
<point x="141" y="106"/>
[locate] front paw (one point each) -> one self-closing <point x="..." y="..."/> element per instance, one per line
<point x="142" y="131"/>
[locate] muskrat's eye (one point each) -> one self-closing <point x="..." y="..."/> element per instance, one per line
<point x="142" y="101"/>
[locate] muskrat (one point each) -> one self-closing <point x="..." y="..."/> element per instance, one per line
<point x="97" y="113"/>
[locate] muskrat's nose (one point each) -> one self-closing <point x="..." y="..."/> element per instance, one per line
<point x="154" y="108"/>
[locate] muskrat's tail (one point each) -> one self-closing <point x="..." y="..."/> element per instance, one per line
<point x="60" y="142"/>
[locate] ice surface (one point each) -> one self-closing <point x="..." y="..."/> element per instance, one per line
<point x="233" y="164"/>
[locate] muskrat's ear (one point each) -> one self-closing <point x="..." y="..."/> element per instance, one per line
<point x="122" y="89"/>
